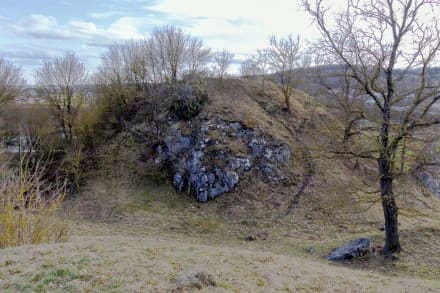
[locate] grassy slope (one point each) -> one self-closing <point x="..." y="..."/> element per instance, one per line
<point x="151" y="239"/>
<point x="154" y="264"/>
<point x="148" y="238"/>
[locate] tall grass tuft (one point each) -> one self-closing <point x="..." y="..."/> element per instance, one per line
<point x="29" y="206"/>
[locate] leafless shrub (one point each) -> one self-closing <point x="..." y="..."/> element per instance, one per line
<point x="11" y="81"/>
<point x="29" y="205"/>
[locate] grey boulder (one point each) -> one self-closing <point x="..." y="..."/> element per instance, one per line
<point x="353" y="249"/>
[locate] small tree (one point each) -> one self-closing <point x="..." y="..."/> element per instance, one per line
<point x="167" y="56"/>
<point x="261" y="60"/>
<point x="222" y="61"/>
<point x="382" y="45"/>
<point x="283" y="57"/>
<point x="11" y="81"/>
<point x="169" y="45"/>
<point x="126" y="64"/>
<point x="62" y="80"/>
<point x="248" y="68"/>
<point x="197" y="57"/>
<point x="136" y="65"/>
<point x="112" y="69"/>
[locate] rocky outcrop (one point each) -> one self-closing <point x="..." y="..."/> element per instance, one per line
<point x="431" y="180"/>
<point x="429" y="171"/>
<point x="210" y="159"/>
<point x="353" y="249"/>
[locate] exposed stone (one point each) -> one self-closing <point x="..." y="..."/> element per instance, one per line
<point x="353" y="249"/>
<point x="431" y="180"/>
<point x="251" y="237"/>
<point x="263" y="235"/>
<point x="310" y="249"/>
<point x="178" y="181"/>
<point x="429" y="175"/>
<point x="177" y="143"/>
<point x="204" y="164"/>
<point x="198" y="280"/>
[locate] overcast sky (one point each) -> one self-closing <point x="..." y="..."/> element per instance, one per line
<point x="31" y="30"/>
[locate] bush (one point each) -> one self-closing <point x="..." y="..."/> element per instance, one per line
<point x="7" y="137"/>
<point x="187" y="102"/>
<point x="29" y="207"/>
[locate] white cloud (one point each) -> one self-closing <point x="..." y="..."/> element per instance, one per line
<point x="47" y="27"/>
<point x="40" y="22"/>
<point x="29" y="55"/>
<point x="104" y="15"/>
<point x="126" y="28"/>
<point x="241" y="26"/>
<point x="84" y="28"/>
<point x="36" y="25"/>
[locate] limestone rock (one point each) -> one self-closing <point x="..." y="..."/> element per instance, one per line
<point x="429" y="175"/>
<point x="353" y="249"/>
<point x="212" y="160"/>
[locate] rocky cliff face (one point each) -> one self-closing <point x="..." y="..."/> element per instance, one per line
<point x="213" y="157"/>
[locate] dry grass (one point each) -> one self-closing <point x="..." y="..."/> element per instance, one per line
<point x="150" y="239"/>
<point x="154" y="264"/>
<point x="29" y="209"/>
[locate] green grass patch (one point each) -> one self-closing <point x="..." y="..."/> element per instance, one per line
<point x="58" y="278"/>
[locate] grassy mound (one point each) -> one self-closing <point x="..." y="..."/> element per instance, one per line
<point x="138" y="234"/>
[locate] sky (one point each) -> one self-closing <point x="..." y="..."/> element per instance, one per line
<point x="33" y="30"/>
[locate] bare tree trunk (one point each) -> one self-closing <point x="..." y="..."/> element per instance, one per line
<point x="287" y="103"/>
<point x="64" y="129"/>
<point x="69" y="121"/>
<point x="390" y="211"/>
<point x="174" y="76"/>
<point x="286" y="97"/>
<point x="62" y="123"/>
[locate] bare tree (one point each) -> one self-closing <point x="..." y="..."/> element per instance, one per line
<point x="61" y="80"/>
<point x="169" y="44"/>
<point x="283" y="57"/>
<point x="381" y="45"/>
<point x="261" y="60"/>
<point x="344" y="95"/>
<point x="112" y="66"/>
<point x="126" y="64"/>
<point x="167" y="56"/>
<point x="197" y="57"/>
<point x="137" y="67"/>
<point x="248" y="68"/>
<point x="11" y="81"/>
<point x="222" y="61"/>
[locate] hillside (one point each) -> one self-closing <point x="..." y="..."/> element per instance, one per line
<point x="152" y="239"/>
<point x="120" y="263"/>
<point x="132" y="231"/>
